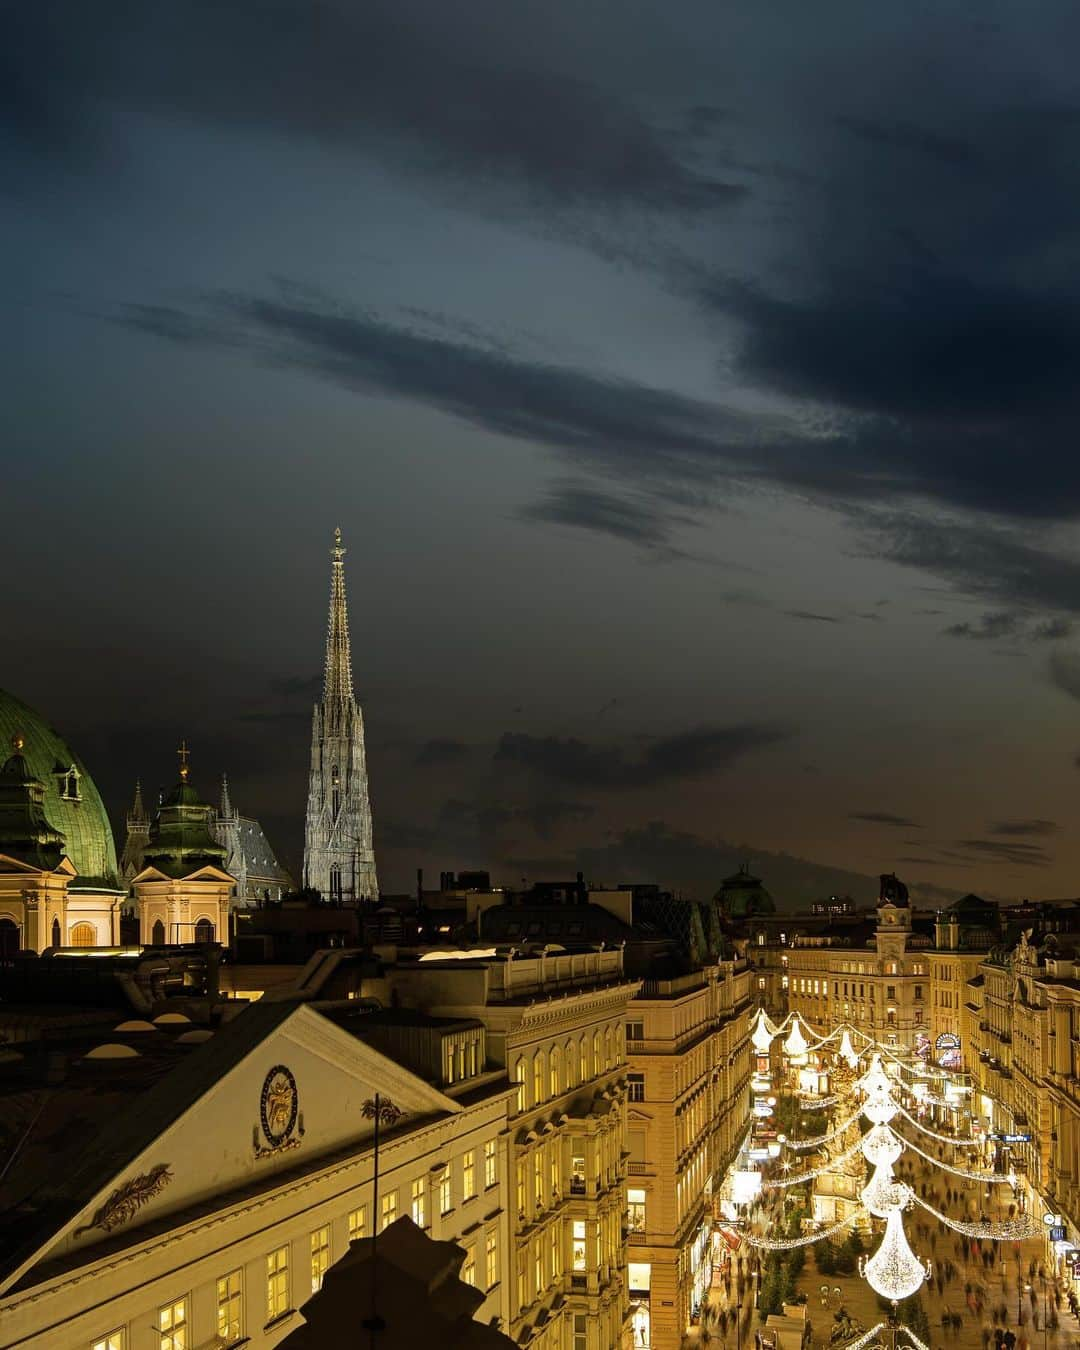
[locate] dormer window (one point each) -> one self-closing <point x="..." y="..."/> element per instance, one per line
<point x="67" y="781"/>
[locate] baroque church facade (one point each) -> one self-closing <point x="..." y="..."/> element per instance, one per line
<point x="339" y="855"/>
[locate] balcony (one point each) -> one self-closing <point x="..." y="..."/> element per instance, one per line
<point x="636" y="1169"/>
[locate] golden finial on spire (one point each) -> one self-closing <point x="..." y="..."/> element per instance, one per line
<point x="182" y="754"/>
<point x="18" y="742"/>
<point x="338" y="551"/>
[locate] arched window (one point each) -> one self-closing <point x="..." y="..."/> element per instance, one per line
<point x="335" y="792"/>
<point x="571" y="1065"/>
<point x="607" y="1047"/>
<point x="519" y="1078"/>
<point x="555" y="1071"/>
<point x="335" y="883"/>
<point x="157" y="935"/>
<point x="538" y="1077"/>
<point x="56" y="938"/>
<point x="596" y="1052"/>
<point x="83" y="935"/>
<point x="583" y="1060"/>
<point x="204" y="931"/>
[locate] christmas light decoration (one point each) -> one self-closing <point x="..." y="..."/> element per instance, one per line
<point x="762" y="1037"/>
<point x="785" y="1244"/>
<point x="795" y="1047"/>
<point x="941" y="1138"/>
<point x="882" y="1194"/>
<point x="875" y="1082"/>
<point x="816" y="1103"/>
<point x="817" y="1171"/>
<point x="919" y="1345"/>
<point x="866" y="1338"/>
<point x="894" y="1271"/>
<point x="1011" y="1230"/>
<point x="847" y="1050"/>
<point x="879" y="1109"/>
<point x="820" y="1139"/>
<point x="881" y="1146"/>
<point x="997" y="1178"/>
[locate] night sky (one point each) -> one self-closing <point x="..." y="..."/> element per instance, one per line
<point x="696" y="387"/>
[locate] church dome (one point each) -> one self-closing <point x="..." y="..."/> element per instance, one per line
<point x="743" y="896"/>
<point x="72" y="804"/>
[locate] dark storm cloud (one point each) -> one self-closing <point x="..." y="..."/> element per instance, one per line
<point x="408" y="83"/>
<point x="810" y="617"/>
<point x="908" y="137"/>
<point x="1053" y="630"/>
<point x="689" y="755"/>
<point x="989" y="626"/>
<point x="440" y="751"/>
<point x="1018" y="855"/>
<point x="640" y="522"/>
<point x="884" y="818"/>
<point x="1024" y="827"/>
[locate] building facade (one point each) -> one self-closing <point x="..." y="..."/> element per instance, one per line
<point x="339" y="851"/>
<point x="209" y="1215"/>
<point x="688" y="1079"/>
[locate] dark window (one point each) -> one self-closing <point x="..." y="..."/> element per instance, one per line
<point x="918" y="991"/>
<point x="204" y="931"/>
<point x="635" y="1031"/>
<point x="157" y="935"/>
<point x="635" y="1087"/>
<point x="890" y="991"/>
<point x="56" y="932"/>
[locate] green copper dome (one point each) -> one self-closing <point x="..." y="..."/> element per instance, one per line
<point x="72" y="803"/>
<point x="181" y="840"/>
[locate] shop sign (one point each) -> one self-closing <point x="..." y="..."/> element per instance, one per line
<point x="762" y="1109"/>
<point x="1057" y="1233"/>
<point x="1016" y="1138"/>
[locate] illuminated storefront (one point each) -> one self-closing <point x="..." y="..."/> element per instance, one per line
<point x="639" y="1280"/>
<point x="948" y="1050"/>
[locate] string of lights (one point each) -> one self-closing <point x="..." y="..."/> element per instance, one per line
<point x="816" y="1103"/>
<point x="819" y="1139"/>
<point x="1011" y="1230"/>
<point x="829" y="1166"/>
<point x="941" y="1138"/>
<point x="866" y="1338"/>
<point x="786" y="1244"/>
<point x="919" y="1345"/>
<point x="997" y="1178"/>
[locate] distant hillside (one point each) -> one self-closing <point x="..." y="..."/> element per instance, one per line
<point x="686" y="862"/>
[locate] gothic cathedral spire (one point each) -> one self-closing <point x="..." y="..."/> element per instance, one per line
<point x="339" y="857"/>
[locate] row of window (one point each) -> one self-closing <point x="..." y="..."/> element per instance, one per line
<point x="562" y="1069"/>
<point x="174" y="1318"/>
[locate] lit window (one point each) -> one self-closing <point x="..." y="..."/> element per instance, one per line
<point x="556" y="1253"/>
<point x="583" y="1060"/>
<point x="538" y="1077"/>
<point x="388" y="1206"/>
<point x="570" y="1060"/>
<point x="519" y="1077"/>
<point x="229" y="1303"/>
<point x="82" y="935"/>
<point x="581" y="1331"/>
<point x="538" y="1178"/>
<point x="468" y="1175"/>
<point x="357" y="1223"/>
<point x="320" y="1257"/>
<point x="468" y="1267"/>
<point x="635" y="1210"/>
<point x="491" y="1260"/>
<point x="579" y="1244"/>
<point x="596" y="1053"/>
<point x="446" y="1199"/>
<point x="418" y="1216"/>
<point x="277" y="1283"/>
<point x="173" y="1326"/>
<point x="538" y="1267"/>
<point x="115" y="1340"/>
<point x="521" y="1186"/>
<point x="491" y="1165"/>
<point x="553" y="1073"/>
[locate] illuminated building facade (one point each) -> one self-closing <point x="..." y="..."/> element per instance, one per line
<point x="221" y="1174"/>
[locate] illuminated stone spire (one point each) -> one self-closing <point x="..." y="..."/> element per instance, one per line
<point x="138" y="833"/>
<point x="337" y="681"/>
<point x="339" y="857"/>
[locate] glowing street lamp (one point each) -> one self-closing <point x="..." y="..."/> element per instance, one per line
<point x="761" y="1038"/>
<point x="894" y="1271"/>
<point x="796" y="1047"/>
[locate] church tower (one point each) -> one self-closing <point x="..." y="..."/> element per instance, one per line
<point x="339" y="856"/>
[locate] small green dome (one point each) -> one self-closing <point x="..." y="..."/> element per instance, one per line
<point x="743" y="896"/>
<point x="72" y="803"/>
<point x="181" y="840"/>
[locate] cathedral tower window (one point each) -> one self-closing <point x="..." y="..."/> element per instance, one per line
<point x="335" y="883"/>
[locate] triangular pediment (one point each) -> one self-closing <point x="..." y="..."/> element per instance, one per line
<point x="17" y="866"/>
<point x="277" y="1090"/>
<point x="208" y="872"/>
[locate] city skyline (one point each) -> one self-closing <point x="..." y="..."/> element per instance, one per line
<point x="694" y="399"/>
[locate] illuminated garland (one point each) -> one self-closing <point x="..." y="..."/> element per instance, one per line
<point x="817" y="1171"/>
<point x="824" y="1138"/>
<point x="941" y="1138"/>
<point x="865" y="1338"/>
<point x="1012" y="1230"/>
<point x="999" y="1178"/>
<point x="816" y="1103"/>
<point x="785" y="1244"/>
<point x="919" y="1345"/>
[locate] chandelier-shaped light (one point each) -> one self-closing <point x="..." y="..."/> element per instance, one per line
<point x="795" y="1047"/>
<point x="881" y="1146"/>
<point x="875" y="1081"/>
<point x="762" y="1037"/>
<point x="894" y="1271"/>
<point x="847" y="1050"/>
<point x="882" y="1193"/>
<point x="879" y="1109"/>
